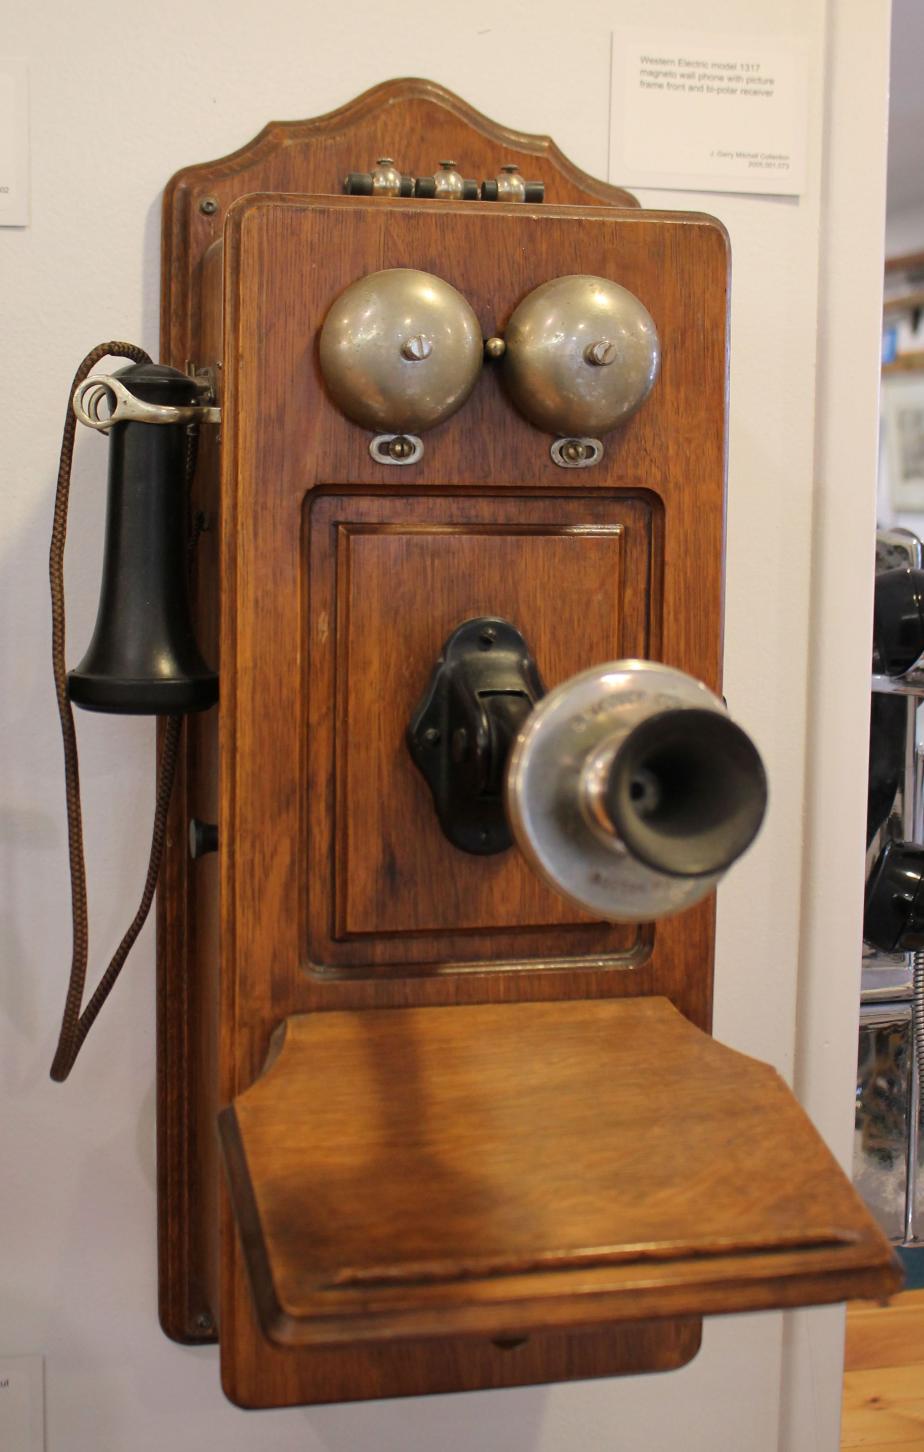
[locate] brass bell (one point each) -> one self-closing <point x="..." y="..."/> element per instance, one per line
<point x="401" y="350"/>
<point x="582" y="355"/>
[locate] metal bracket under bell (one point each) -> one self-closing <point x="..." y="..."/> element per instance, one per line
<point x="576" y="453"/>
<point x="483" y="687"/>
<point x="396" y="449"/>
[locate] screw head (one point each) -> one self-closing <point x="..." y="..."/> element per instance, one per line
<point x="431" y="736"/>
<point x="384" y="161"/>
<point x="495" y="347"/>
<point x="487" y="637"/>
<point x="417" y="348"/>
<point x="448" y="165"/>
<point x="510" y="167"/>
<point x="400" y="448"/>
<point x="601" y="353"/>
<point x="574" y="451"/>
<point x="208" y="206"/>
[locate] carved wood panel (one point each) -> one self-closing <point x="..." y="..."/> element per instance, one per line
<point x="391" y="576"/>
<point x="295" y="890"/>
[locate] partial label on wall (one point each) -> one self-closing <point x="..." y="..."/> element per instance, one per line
<point x="14" y="143"/>
<point x="708" y="113"/>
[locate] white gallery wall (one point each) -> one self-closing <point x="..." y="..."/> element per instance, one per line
<point x="120" y="101"/>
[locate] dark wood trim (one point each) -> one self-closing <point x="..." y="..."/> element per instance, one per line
<point x="907" y="262"/>
<point x="908" y="302"/>
<point x="906" y="363"/>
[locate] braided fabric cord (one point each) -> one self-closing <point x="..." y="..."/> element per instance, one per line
<point x="77" y="1021"/>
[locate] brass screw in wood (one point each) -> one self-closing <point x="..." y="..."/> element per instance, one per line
<point x="400" y="448"/>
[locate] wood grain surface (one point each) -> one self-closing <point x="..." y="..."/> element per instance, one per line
<point x="883" y="1405"/>
<point x="534" y="1165"/>
<point x="417" y="122"/>
<point x="309" y="639"/>
<point x="576" y="566"/>
<point x="333" y="896"/>
<point x="304" y="925"/>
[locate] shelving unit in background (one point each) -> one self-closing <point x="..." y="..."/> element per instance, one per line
<point x="903" y="315"/>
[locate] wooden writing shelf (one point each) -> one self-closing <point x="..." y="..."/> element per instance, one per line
<point x="498" y="1169"/>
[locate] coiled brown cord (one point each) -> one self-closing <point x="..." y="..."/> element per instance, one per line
<point x="75" y="1025"/>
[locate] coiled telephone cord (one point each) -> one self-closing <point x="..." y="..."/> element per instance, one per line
<point x="77" y="1021"/>
<point x="917" y="1016"/>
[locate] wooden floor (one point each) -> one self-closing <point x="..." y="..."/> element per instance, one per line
<point x="884" y="1376"/>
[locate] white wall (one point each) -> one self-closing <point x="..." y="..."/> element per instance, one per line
<point x="119" y="102"/>
<point x="840" y="630"/>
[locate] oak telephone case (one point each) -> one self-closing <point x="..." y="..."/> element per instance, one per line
<point x="438" y="499"/>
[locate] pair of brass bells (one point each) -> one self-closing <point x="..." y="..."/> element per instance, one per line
<point x="401" y="350"/>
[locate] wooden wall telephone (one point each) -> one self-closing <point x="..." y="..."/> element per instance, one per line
<point x="471" y="453"/>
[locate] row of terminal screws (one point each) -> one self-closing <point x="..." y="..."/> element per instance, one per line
<point x="448" y="184"/>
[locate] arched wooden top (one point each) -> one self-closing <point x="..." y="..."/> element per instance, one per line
<point x="416" y="121"/>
